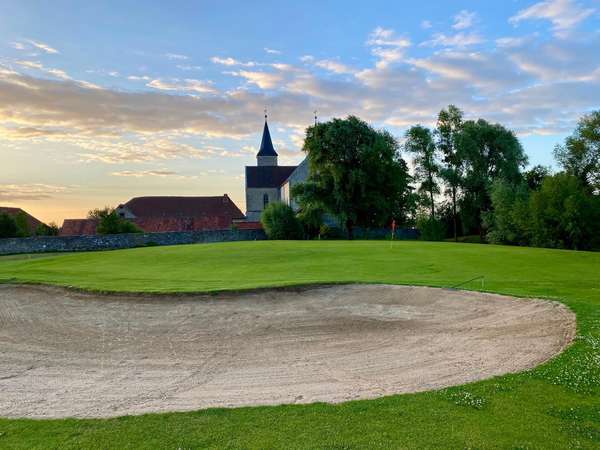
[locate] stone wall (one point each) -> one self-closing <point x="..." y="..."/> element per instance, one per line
<point x="44" y="244"/>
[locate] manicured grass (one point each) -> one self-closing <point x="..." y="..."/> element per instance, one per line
<point x="554" y="406"/>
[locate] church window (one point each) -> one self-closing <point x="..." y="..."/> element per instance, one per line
<point x="265" y="200"/>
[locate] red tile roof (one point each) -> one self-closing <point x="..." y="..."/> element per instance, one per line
<point x="170" y="207"/>
<point x="160" y="214"/>
<point x="32" y="222"/>
<point x="78" y="227"/>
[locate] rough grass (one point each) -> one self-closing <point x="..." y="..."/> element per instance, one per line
<point x="556" y="405"/>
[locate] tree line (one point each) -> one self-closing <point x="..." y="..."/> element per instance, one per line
<point x="469" y="179"/>
<point x="18" y="226"/>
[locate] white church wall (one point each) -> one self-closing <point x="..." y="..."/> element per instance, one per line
<point x="255" y="201"/>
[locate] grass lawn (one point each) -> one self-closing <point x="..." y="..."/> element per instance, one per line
<point x="556" y="405"/>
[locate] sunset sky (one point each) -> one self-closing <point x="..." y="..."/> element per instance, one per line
<point x="103" y="101"/>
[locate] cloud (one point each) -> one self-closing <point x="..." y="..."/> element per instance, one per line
<point x="117" y="151"/>
<point x="334" y="66"/>
<point x="456" y="40"/>
<point x="17" y="45"/>
<point x="44" y="47"/>
<point x="464" y="19"/>
<point x="531" y="84"/>
<point x="20" y="192"/>
<point x="387" y="56"/>
<point x="176" y="56"/>
<point x="426" y="24"/>
<point x="139" y="78"/>
<point x="50" y="71"/>
<point x="387" y="46"/>
<point x="231" y="62"/>
<point x="264" y="80"/>
<point x="564" y="14"/>
<point x="511" y="41"/>
<point x="187" y="67"/>
<point x="387" y="37"/>
<point x="187" y="85"/>
<point x="307" y="58"/>
<point x="162" y="173"/>
<point x="272" y="51"/>
<point x="57" y="73"/>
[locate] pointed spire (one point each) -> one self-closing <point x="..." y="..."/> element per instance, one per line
<point x="266" y="145"/>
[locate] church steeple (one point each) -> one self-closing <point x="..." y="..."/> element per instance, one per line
<point x="266" y="156"/>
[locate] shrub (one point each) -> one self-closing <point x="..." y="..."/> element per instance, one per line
<point x="327" y="232"/>
<point x="311" y="219"/>
<point x="280" y="222"/>
<point x="109" y="222"/>
<point x="431" y="229"/>
<point x="22" y="225"/>
<point x="564" y="214"/>
<point x="8" y="226"/>
<point x="47" y="230"/>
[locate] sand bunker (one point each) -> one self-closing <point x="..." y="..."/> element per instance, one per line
<point x="70" y="354"/>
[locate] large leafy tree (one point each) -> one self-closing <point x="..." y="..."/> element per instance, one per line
<point x="580" y="154"/>
<point x="356" y="173"/>
<point x="449" y="125"/>
<point x="564" y="214"/>
<point x="489" y="152"/>
<point x="509" y="220"/>
<point x="419" y="142"/>
<point x="535" y="176"/>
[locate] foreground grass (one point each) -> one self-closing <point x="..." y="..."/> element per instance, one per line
<point x="554" y="406"/>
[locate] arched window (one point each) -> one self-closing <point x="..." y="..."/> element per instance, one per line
<point x="265" y="200"/>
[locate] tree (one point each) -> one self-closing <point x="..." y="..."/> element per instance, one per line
<point x="449" y="125"/>
<point x="509" y="220"/>
<point x="580" y="154"/>
<point x="280" y="222"/>
<point x="47" y="230"/>
<point x="22" y="224"/>
<point x="8" y="227"/>
<point x="355" y="173"/>
<point x="109" y="222"/>
<point x="489" y="152"/>
<point x="419" y="142"/>
<point x="564" y="214"/>
<point x="535" y="177"/>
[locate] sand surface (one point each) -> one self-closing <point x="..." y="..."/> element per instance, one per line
<point x="70" y="354"/>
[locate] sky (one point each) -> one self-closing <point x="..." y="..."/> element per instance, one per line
<point x="104" y="101"/>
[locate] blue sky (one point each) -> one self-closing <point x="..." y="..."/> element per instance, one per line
<point x="102" y="101"/>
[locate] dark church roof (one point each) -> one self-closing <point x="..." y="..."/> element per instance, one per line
<point x="266" y="145"/>
<point x="267" y="176"/>
<point x="184" y="207"/>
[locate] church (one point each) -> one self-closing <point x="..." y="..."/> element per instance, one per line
<point x="269" y="182"/>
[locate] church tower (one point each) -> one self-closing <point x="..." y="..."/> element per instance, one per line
<point x="266" y="156"/>
<point x="266" y="182"/>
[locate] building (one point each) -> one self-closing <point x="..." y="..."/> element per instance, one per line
<point x="269" y="182"/>
<point x="160" y="214"/>
<point x="156" y="214"/>
<point x="78" y="227"/>
<point x="32" y="222"/>
<point x="265" y="183"/>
